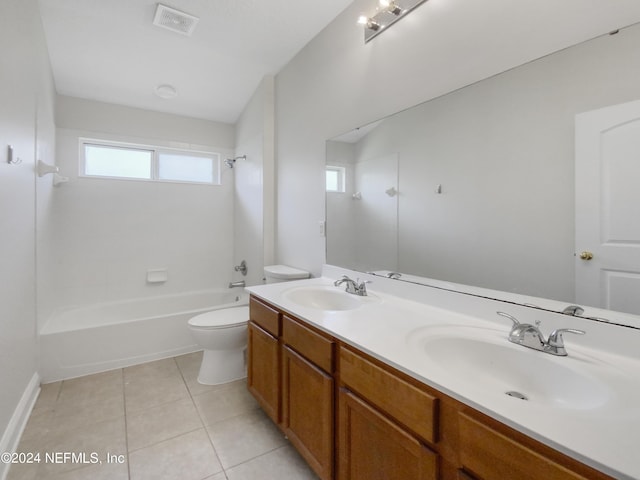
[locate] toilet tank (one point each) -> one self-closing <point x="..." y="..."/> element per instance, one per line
<point x="283" y="273"/>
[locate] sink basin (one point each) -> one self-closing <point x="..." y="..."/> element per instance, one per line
<point x="483" y="358"/>
<point x="325" y="298"/>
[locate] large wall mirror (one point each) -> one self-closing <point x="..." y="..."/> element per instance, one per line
<point x="477" y="187"/>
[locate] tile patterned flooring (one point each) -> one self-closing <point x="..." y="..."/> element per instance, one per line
<point x="161" y="423"/>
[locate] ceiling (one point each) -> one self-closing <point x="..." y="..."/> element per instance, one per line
<point x="109" y="50"/>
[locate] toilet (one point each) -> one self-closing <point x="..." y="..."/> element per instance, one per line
<point x="223" y="334"/>
<point x="283" y="273"/>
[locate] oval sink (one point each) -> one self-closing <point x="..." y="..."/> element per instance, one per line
<point x="485" y="359"/>
<point x="325" y="298"/>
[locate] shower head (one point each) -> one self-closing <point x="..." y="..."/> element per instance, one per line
<point x="229" y="162"/>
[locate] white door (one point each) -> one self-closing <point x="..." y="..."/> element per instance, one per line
<point x="608" y="208"/>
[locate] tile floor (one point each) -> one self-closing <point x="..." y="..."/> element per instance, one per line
<point x="154" y="421"/>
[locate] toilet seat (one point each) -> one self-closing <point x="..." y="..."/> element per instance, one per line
<point x="218" y="319"/>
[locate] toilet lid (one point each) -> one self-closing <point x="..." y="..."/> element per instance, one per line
<point x="285" y="272"/>
<point x="225" y="317"/>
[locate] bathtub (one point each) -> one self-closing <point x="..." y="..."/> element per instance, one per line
<point x="96" y="338"/>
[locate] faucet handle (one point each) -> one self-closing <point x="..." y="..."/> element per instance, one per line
<point x="555" y="337"/>
<point x="510" y="317"/>
<point x="574" y="310"/>
<point x="361" y="287"/>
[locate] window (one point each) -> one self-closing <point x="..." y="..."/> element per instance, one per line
<point x="335" y="179"/>
<point x="141" y="162"/>
<point x="107" y="161"/>
<point x="185" y="167"/>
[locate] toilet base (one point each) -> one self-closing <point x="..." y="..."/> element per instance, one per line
<point x="222" y="366"/>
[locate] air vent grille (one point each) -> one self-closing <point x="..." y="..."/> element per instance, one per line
<point x="175" y="20"/>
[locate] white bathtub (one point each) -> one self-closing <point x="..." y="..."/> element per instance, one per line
<point x="102" y="337"/>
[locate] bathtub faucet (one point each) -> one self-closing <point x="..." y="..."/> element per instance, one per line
<point x="237" y="284"/>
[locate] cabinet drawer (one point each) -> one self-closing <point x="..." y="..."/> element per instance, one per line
<point x="492" y="456"/>
<point x="415" y="409"/>
<point x="311" y="345"/>
<point x="265" y="316"/>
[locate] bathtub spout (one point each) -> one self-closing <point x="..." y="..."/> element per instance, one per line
<point x="237" y="284"/>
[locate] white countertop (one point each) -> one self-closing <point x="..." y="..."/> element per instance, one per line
<point x="393" y="323"/>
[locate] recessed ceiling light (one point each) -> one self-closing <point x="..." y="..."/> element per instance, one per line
<point x="166" y="91"/>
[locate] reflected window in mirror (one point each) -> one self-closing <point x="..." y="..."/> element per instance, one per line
<point x="335" y="179"/>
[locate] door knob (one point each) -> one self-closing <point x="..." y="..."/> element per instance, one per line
<point x="586" y="255"/>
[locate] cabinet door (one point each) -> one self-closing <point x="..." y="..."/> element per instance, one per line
<point x="263" y="370"/>
<point x="371" y="447"/>
<point x="490" y="455"/>
<point x="307" y="411"/>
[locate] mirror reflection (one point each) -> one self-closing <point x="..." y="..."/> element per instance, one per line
<point x="477" y="187"/>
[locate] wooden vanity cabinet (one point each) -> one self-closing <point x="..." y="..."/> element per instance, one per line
<point x="307" y="394"/>
<point x="263" y="357"/>
<point x="373" y="447"/>
<point x="353" y="417"/>
<point x="489" y="450"/>
<point x="290" y="373"/>
<point x="383" y="424"/>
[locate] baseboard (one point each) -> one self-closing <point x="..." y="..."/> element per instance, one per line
<point x="54" y="371"/>
<point x="13" y="432"/>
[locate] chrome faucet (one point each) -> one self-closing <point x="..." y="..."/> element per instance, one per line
<point x="237" y="284"/>
<point x="353" y="286"/>
<point x="577" y="311"/>
<point x="530" y="336"/>
<point x="573" y="310"/>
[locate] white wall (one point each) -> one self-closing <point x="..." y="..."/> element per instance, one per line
<point x="26" y="97"/>
<point x="106" y="234"/>
<point x="254" y="198"/>
<point x="337" y="83"/>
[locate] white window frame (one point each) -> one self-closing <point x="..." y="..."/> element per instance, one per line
<point x="341" y="178"/>
<point x="155" y="154"/>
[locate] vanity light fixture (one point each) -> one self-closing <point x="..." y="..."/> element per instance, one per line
<point x="391" y="7"/>
<point x="369" y="22"/>
<point x="387" y="13"/>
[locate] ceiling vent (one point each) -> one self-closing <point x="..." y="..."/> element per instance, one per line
<point x="175" y="20"/>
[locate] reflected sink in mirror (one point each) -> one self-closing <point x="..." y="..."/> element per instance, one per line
<point x="326" y="298"/>
<point x="484" y="358"/>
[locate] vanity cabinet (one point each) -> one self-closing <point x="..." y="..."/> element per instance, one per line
<point x="353" y="417"/>
<point x="490" y="454"/>
<point x="383" y="424"/>
<point x="290" y="373"/>
<point x="307" y="395"/>
<point x="263" y="357"/>
<point x="373" y="447"/>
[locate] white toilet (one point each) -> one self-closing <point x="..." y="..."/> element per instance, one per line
<point x="283" y="273"/>
<point x="223" y="334"/>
